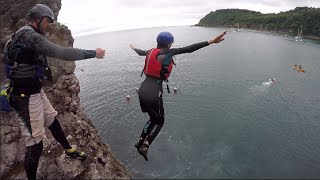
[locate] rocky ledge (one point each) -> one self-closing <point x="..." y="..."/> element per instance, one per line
<point x="63" y="94"/>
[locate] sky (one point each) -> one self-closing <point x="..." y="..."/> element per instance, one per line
<point x="95" y="16"/>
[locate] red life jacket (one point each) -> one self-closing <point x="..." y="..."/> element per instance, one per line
<point x="154" y="68"/>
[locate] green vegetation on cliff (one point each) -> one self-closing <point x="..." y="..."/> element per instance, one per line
<point x="301" y="17"/>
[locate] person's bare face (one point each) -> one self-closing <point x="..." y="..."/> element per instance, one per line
<point x="44" y="25"/>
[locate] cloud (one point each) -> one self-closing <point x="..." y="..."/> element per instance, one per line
<point x="106" y="15"/>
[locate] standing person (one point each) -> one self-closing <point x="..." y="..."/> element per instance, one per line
<point x="26" y="66"/>
<point x="158" y="66"/>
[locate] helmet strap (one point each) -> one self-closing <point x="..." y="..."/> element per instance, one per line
<point x="38" y="25"/>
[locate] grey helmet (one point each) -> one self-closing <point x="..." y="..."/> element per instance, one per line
<point x="40" y="10"/>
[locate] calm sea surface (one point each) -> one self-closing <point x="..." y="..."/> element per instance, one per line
<point x="227" y="120"/>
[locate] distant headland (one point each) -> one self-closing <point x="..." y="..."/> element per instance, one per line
<point x="305" y="19"/>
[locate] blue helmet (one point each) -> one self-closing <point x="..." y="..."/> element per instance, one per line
<point x="165" y="38"/>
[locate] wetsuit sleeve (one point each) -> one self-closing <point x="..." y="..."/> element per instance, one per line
<point x="140" y="52"/>
<point x="187" y="49"/>
<point x="43" y="46"/>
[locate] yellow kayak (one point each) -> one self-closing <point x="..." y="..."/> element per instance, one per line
<point x="301" y="70"/>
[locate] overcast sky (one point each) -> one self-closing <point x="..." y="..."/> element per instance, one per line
<point x="83" y="16"/>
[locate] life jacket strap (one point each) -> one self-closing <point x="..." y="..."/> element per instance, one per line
<point x="142" y="71"/>
<point x="166" y="80"/>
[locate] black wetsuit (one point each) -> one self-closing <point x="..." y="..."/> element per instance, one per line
<point x="150" y="92"/>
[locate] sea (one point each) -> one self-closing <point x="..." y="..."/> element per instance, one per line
<point x="227" y="118"/>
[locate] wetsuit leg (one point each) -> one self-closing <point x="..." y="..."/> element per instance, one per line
<point x="58" y="134"/>
<point x="145" y="131"/>
<point x="157" y="117"/>
<point x="150" y="98"/>
<point x="31" y="160"/>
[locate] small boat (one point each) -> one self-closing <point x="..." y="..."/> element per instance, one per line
<point x="299" y="69"/>
<point x="238" y="30"/>
<point x="299" y="37"/>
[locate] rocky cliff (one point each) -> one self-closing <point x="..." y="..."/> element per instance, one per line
<point x="63" y="94"/>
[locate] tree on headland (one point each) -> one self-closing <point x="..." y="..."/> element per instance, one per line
<point x="306" y="18"/>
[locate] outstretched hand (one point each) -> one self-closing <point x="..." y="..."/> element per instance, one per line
<point x="218" y="38"/>
<point x="100" y="53"/>
<point x="131" y="46"/>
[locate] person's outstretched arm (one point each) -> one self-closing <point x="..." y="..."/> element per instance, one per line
<point x="43" y="46"/>
<point x="194" y="47"/>
<point x="139" y="51"/>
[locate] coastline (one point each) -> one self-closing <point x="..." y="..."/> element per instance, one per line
<point x="289" y="33"/>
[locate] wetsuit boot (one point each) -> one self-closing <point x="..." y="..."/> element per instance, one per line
<point x="139" y="144"/>
<point x="143" y="150"/>
<point x="58" y="134"/>
<point x="75" y="153"/>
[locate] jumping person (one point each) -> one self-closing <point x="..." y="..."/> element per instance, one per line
<point x="157" y="68"/>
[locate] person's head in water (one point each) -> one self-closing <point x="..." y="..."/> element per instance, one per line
<point x="40" y="17"/>
<point x="165" y="40"/>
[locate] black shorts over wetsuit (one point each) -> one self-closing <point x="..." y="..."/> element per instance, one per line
<point x="150" y="98"/>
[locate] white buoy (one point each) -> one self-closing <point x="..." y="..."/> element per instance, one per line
<point x="175" y="90"/>
<point x="128" y="97"/>
<point x="49" y="151"/>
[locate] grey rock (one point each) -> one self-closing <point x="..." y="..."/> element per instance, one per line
<point x="64" y="90"/>
<point x="102" y="159"/>
<point x="73" y="88"/>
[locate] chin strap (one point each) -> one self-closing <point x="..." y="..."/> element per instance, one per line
<point x="38" y="26"/>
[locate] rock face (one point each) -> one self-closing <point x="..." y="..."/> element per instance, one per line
<point x="63" y="94"/>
